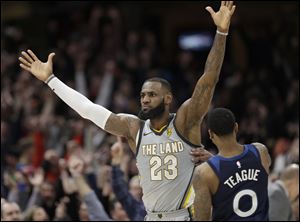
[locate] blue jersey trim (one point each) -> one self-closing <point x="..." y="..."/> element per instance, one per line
<point x="253" y="149"/>
<point x="214" y="162"/>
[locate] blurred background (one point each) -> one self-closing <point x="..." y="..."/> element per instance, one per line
<point x="106" y="50"/>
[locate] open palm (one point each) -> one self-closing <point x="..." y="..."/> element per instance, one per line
<point x="31" y="63"/>
<point x="223" y="16"/>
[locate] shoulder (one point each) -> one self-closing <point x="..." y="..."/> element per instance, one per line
<point x="260" y="146"/>
<point x="263" y="150"/>
<point x="132" y="120"/>
<point x="181" y="113"/>
<point x="204" y="172"/>
<point x="133" y="126"/>
<point x="205" y="176"/>
<point x="264" y="153"/>
<point x="126" y="115"/>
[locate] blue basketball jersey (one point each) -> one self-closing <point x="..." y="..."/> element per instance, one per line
<point x="242" y="193"/>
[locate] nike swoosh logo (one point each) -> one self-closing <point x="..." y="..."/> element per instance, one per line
<point x="145" y="134"/>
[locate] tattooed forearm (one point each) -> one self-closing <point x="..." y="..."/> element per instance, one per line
<point x="204" y="94"/>
<point x="216" y="56"/>
<point x="201" y="99"/>
<point x="204" y="89"/>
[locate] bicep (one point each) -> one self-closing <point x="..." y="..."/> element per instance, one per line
<point x="192" y="111"/>
<point x="198" y="104"/>
<point x="202" y="95"/>
<point x="122" y="125"/>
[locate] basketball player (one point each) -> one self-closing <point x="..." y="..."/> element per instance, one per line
<point x="161" y="141"/>
<point x="235" y="181"/>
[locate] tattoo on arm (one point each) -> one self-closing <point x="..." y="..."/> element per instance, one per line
<point x="200" y="101"/>
<point x="203" y="93"/>
<point x="215" y="57"/>
<point x="119" y="125"/>
<point x="202" y="202"/>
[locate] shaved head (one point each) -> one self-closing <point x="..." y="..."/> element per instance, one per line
<point x="164" y="83"/>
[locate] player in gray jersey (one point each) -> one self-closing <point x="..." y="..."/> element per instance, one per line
<point x="162" y="141"/>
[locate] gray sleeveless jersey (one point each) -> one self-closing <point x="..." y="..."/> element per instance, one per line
<point x="165" y="169"/>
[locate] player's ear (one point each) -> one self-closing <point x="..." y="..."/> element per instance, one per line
<point x="168" y="98"/>
<point x="211" y="134"/>
<point x="236" y="128"/>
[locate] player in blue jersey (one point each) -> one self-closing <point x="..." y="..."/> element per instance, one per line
<point x="233" y="184"/>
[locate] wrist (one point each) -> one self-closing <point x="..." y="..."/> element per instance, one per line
<point x="49" y="78"/>
<point x="76" y="175"/>
<point x="115" y="163"/>
<point x="224" y="33"/>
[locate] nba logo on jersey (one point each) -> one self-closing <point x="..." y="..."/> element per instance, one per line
<point x="238" y="164"/>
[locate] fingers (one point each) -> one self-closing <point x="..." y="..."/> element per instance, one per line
<point x="200" y="159"/>
<point x="27" y="57"/>
<point x="25" y="67"/>
<point x="198" y="153"/>
<point x="232" y="10"/>
<point x="32" y="55"/>
<point x="230" y="4"/>
<point x="227" y="4"/>
<point x="24" y="62"/>
<point x="195" y="160"/>
<point x="210" y="10"/>
<point x="50" y="57"/>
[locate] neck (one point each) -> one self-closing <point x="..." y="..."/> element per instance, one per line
<point x="230" y="147"/>
<point x="159" y="122"/>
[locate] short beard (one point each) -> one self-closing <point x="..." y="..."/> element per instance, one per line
<point x="153" y="113"/>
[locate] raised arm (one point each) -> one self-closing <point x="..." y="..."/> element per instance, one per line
<point x="120" y="125"/>
<point x="193" y="110"/>
<point x="120" y="186"/>
<point x="95" y="208"/>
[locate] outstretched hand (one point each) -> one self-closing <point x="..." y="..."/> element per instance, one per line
<point x="37" y="179"/>
<point x="200" y="155"/>
<point x="76" y="166"/>
<point x="223" y="16"/>
<point x="117" y="152"/>
<point x="31" y="63"/>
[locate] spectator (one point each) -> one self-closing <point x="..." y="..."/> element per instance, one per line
<point x="10" y="212"/>
<point x="283" y="193"/>
<point x="93" y="205"/>
<point x="130" y="199"/>
<point x="261" y="87"/>
<point x="36" y="214"/>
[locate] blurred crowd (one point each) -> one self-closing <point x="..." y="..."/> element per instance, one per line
<point x="100" y="58"/>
